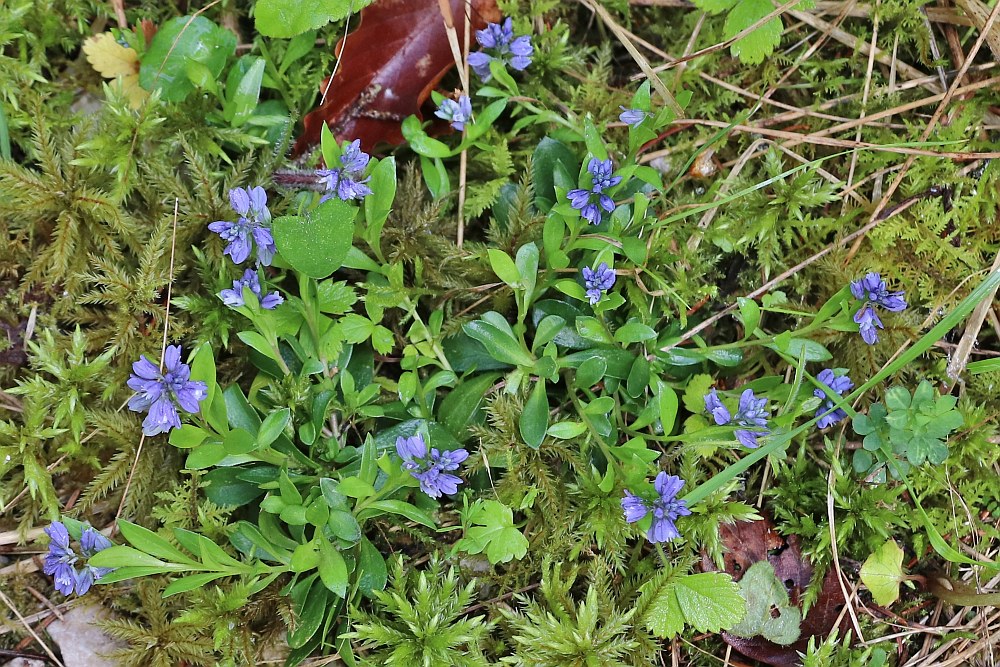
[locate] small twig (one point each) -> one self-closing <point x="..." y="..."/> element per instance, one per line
<point x="31" y="631"/>
<point x="931" y="124"/>
<point x="637" y="56"/>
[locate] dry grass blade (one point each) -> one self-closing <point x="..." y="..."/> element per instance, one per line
<point x="640" y="59"/>
<point x="961" y="355"/>
<point x="31" y="631"/>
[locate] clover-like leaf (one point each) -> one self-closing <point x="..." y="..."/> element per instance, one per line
<point x="882" y="573"/>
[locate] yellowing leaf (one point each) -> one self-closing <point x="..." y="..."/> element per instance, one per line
<point x="114" y="61"/>
<point x="110" y="58"/>
<point x="882" y="573"/>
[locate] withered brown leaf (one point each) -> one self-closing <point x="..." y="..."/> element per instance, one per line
<point x="389" y="66"/>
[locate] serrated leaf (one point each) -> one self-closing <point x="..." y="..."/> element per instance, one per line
<point x="753" y="48"/>
<point x="708" y="602"/>
<point x="883" y="571"/>
<point x="694" y="393"/>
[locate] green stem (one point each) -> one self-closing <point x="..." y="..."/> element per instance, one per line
<point x="959" y="313"/>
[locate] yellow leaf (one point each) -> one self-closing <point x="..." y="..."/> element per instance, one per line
<point x="114" y="61"/>
<point x="110" y="58"/>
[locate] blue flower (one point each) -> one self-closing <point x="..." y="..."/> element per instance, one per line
<point x="499" y="43"/>
<point x="61" y="559"/>
<point x="838" y="384"/>
<point x="583" y="200"/>
<point x="161" y="394"/>
<point x="873" y="291"/>
<point x="252" y="226"/>
<point x="868" y="323"/>
<point x="345" y="182"/>
<point x="234" y="297"/>
<point x="665" y="509"/>
<point x="431" y="470"/>
<point x="719" y="411"/>
<point x="752" y="412"/>
<point x="633" y="117"/>
<point x="459" y="113"/>
<point x="598" y="281"/>
<point x="872" y="288"/>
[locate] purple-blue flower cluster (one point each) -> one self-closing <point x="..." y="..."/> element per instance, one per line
<point x="162" y="393"/>
<point x="458" y="113"/>
<point x="499" y="43"/>
<point x="666" y="508"/>
<point x="873" y="291"/>
<point x="752" y="414"/>
<point x="584" y="200"/>
<point x="839" y="384"/>
<point x="347" y="182"/>
<point x="234" y="297"/>
<point x="431" y="470"/>
<point x="252" y="226"/>
<point x="598" y="281"/>
<point x="633" y="117"/>
<point x="60" y="561"/>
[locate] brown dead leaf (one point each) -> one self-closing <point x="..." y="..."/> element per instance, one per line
<point x="753" y="541"/>
<point x="390" y="64"/>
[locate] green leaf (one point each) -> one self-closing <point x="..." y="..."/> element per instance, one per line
<point x="883" y="571"/>
<point x="316" y="244"/>
<point x="708" y="602"/>
<point x="122" y="556"/>
<point x="259" y="343"/>
<point x="353" y="487"/>
<point x="304" y="558"/>
<point x="500" y="345"/>
<point x="273" y="426"/>
<point x="243" y="89"/>
<point x="187" y="436"/>
<point x="372" y="574"/>
<point x="281" y="18"/>
<point x="666" y="402"/>
<point x="344" y="525"/>
<point x="535" y="416"/>
<point x="794" y="347"/>
<point x="504" y="267"/>
<point x="460" y="407"/>
<point x="191" y="582"/>
<point x="752" y="49"/>
<point x="151" y="543"/>
<point x="566" y="430"/>
<point x="552" y="164"/>
<point x="205" y="456"/>
<point x="495" y="533"/>
<point x="633" y="332"/>
<point x="592" y="329"/>
<point x="180" y="41"/>
<point x="378" y="205"/>
<point x="238" y="442"/>
<point x="401" y="508"/>
<point x="332" y="568"/>
<point x="768" y="610"/>
<point x="310" y="614"/>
